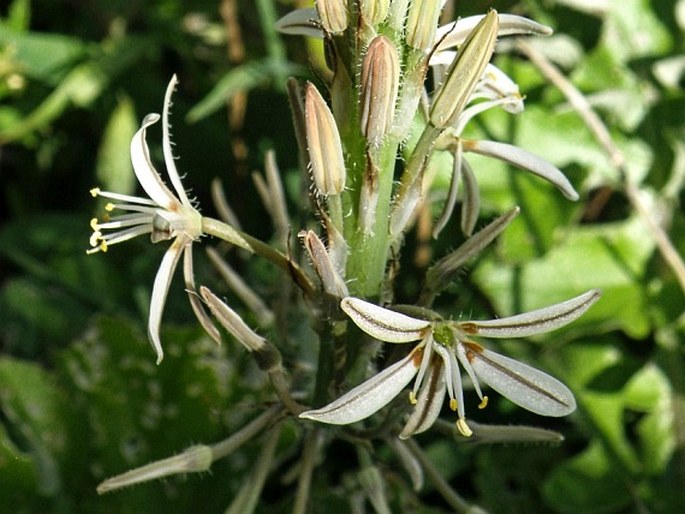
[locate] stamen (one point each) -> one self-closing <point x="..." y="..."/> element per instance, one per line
<point x="95" y="191"/>
<point x="483" y="403"/>
<point x="463" y="428"/>
<point x="95" y="237"/>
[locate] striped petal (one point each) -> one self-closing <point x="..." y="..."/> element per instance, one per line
<point x="534" y="322"/>
<point x="159" y="292"/>
<point x="145" y="171"/>
<point x="428" y="402"/>
<point x="526" y="160"/>
<point x="384" y="324"/>
<point x="368" y="397"/>
<point x="524" y="385"/>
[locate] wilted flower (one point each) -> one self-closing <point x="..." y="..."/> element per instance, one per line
<point x="435" y="364"/>
<point x="163" y="215"/>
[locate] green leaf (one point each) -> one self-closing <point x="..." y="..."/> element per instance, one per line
<point x="28" y="50"/>
<point x="19" y="474"/>
<point x="113" y="169"/>
<point x="588" y="483"/>
<point x="649" y="391"/>
<point x="632" y="30"/>
<point x="33" y="404"/>
<point x="242" y="79"/>
<point x="611" y="257"/>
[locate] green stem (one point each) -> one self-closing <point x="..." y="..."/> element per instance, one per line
<point x="227" y="446"/>
<point x="434" y="475"/>
<point x="307" y="464"/>
<point x="225" y="232"/>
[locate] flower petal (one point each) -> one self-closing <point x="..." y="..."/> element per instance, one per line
<point x="368" y="397"/>
<point x="166" y="144"/>
<point x="454" y="34"/>
<point x="145" y="171"/>
<point x="301" y="22"/>
<point x="195" y="301"/>
<point x="384" y="324"/>
<point x="428" y="402"/>
<point x="160" y="290"/>
<point x="534" y="322"/>
<point x="524" y="385"/>
<point x="526" y="160"/>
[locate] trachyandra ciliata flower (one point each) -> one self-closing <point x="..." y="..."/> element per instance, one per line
<point x="163" y="214"/>
<point x="434" y="364"/>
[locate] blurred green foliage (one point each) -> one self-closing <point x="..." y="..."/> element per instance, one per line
<point x="80" y="397"/>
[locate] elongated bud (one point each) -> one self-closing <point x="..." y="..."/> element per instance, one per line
<point x="323" y="143"/>
<point x="422" y="23"/>
<point x="374" y="11"/>
<point x="380" y="82"/>
<point x="194" y="459"/>
<point x="331" y="280"/>
<point x="333" y="14"/>
<point x="267" y="356"/>
<point x="465" y="72"/>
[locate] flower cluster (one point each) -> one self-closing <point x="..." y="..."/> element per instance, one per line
<point x="434" y="363"/>
<point x="367" y="130"/>
<point x="162" y="214"/>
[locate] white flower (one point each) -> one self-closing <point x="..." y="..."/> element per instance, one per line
<point x="434" y="363"/>
<point x="162" y="214"/>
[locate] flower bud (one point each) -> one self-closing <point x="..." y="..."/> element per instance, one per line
<point x="323" y="143"/>
<point x="422" y="23"/>
<point x="331" y="280"/>
<point x="333" y="14"/>
<point x="379" y="85"/>
<point x="195" y="459"/>
<point x="465" y="72"/>
<point x="374" y="11"/>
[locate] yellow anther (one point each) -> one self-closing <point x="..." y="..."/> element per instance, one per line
<point x="95" y="238"/>
<point x="453" y="404"/>
<point x="94" y="225"/>
<point x="110" y="207"/>
<point x="464" y="428"/>
<point x="95" y="191"/>
<point x="483" y="403"/>
<point x="412" y="398"/>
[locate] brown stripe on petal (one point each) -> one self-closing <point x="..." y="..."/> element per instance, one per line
<point x="474" y="351"/>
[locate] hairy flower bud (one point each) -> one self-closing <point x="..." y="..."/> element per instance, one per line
<point x="323" y="143"/>
<point x="333" y="14"/>
<point x="422" y="23"/>
<point x="374" y="11"/>
<point x="465" y="72"/>
<point x="379" y="85"/>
